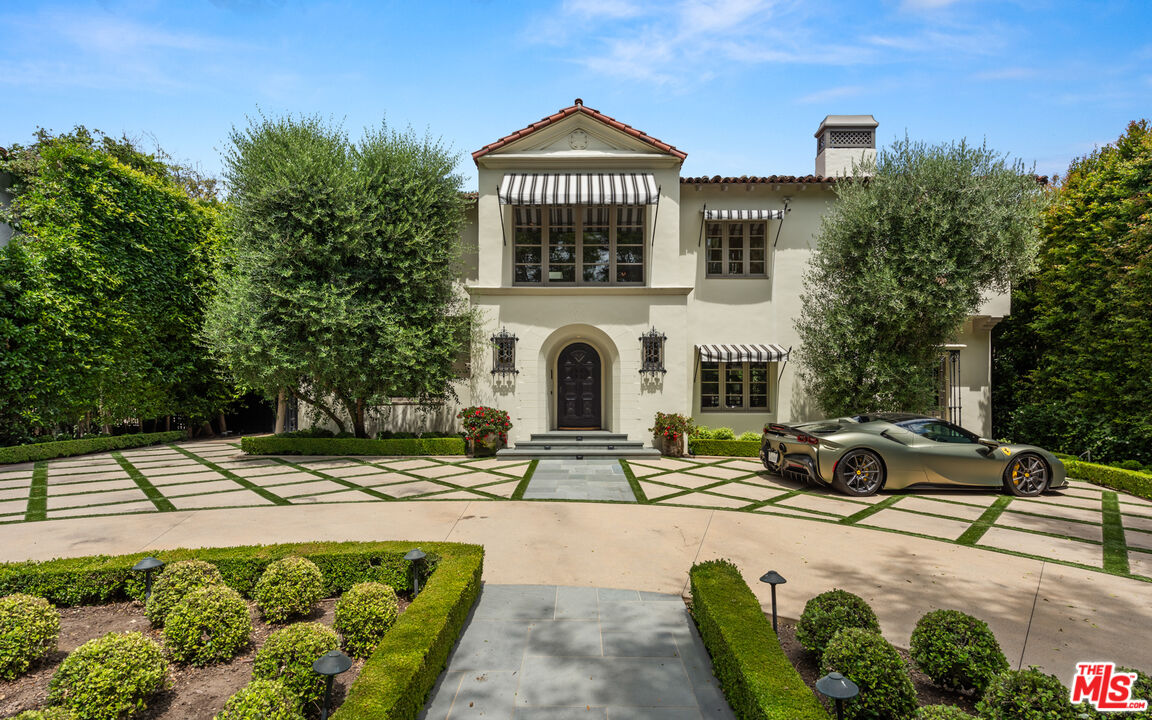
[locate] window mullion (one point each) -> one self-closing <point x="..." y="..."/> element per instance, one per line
<point x="747" y="367"/>
<point x="612" y="220"/>
<point x="578" y="225"/>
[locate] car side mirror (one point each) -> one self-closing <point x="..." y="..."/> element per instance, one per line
<point x="989" y="445"/>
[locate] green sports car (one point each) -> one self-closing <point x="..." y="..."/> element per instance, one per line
<point x="860" y="455"/>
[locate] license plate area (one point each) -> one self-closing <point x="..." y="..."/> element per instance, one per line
<point x="773" y="456"/>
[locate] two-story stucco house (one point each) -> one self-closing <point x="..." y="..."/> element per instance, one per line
<point x="612" y="288"/>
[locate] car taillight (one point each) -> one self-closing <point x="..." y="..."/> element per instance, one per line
<point x="808" y="439"/>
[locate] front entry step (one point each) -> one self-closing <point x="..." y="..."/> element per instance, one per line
<point x="578" y="444"/>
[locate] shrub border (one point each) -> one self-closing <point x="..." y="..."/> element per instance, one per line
<point x="272" y="445"/>
<point x="757" y="677"/>
<point x="1133" y="482"/>
<point x="724" y="448"/>
<point x="396" y="679"/>
<point x="68" y="448"/>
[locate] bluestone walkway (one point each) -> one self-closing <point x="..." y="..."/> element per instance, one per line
<point x="579" y="480"/>
<point x="532" y="652"/>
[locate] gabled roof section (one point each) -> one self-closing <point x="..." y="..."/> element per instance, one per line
<point x="574" y="109"/>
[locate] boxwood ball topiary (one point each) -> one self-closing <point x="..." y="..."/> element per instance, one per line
<point x="828" y="613"/>
<point x="262" y="700"/>
<point x="287" y="655"/>
<point x="110" y="677"/>
<point x="364" y="614"/>
<point x="29" y="628"/>
<point x="209" y="625"/>
<point x="872" y="663"/>
<point x="1026" y="695"/>
<point x="941" y="712"/>
<point x="288" y="587"/>
<point x="176" y="581"/>
<point x="957" y="650"/>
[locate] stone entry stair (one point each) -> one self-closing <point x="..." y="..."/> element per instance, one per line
<point x="578" y="444"/>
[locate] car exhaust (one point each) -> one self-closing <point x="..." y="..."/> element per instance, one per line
<point x="799" y="467"/>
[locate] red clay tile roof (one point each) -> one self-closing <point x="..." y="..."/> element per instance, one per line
<point x="578" y="107"/>
<point x="770" y="179"/>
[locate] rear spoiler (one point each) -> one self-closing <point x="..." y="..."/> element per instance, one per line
<point x="788" y="430"/>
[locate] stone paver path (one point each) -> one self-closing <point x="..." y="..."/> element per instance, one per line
<point x="579" y="480"/>
<point x="532" y="652"/>
<point x="1084" y="526"/>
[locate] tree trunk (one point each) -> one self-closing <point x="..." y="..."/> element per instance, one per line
<point x="281" y="412"/>
<point x="206" y="429"/>
<point x="323" y="408"/>
<point x="223" y="424"/>
<point x="358" y="419"/>
<point x="167" y="423"/>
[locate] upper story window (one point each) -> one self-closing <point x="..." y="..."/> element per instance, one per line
<point x="578" y="244"/>
<point x="736" y="248"/>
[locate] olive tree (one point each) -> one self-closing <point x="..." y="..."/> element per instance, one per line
<point x="339" y="282"/>
<point x="903" y="257"/>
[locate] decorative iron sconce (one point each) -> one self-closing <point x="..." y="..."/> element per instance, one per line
<point x="504" y="353"/>
<point x="652" y="352"/>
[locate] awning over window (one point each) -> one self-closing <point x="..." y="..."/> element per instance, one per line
<point x="743" y="214"/>
<point x="578" y="189"/>
<point x="742" y="353"/>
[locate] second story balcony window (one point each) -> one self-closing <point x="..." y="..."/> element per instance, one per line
<point x="578" y="244"/>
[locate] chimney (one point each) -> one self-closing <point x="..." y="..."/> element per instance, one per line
<point x="842" y="140"/>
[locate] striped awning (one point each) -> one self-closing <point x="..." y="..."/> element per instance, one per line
<point x="742" y="353"/>
<point x="743" y="214"/>
<point x="578" y="189"/>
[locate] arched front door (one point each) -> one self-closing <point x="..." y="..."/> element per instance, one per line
<point x="578" y="388"/>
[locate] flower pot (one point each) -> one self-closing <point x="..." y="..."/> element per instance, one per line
<point x="485" y="445"/>
<point x="672" y="447"/>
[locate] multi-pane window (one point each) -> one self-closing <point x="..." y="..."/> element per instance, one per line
<point x="736" y="249"/>
<point x="578" y="245"/>
<point x="734" y="386"/>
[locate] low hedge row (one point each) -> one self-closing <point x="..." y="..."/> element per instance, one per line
<point x="729" y="448"/>
<point x="755" y="674"/>
<point x="276" y="445"/>
<point x="102" y="578"/>
<point x="1130" y="481"/>
<point x="398" y="677"/>
<point x="67" y="448"/>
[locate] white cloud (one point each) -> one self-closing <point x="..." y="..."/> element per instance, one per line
<point x="829" y="94"/>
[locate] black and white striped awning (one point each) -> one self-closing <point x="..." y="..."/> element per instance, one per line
<point x="578" y="189"/>
<point x="743" y="214"/>
<point x="742" y="353"/>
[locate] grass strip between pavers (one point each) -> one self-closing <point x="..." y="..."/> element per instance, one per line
<point x="756" y="676"/>
<point x="871" y="510"/>
<point x="1115" y="546"/>
<point x="241" y="481"/>
<point x="972" y="535"/>
<point x="38" y="493"/>
<point x="162" y="503"/>
<point x="522" y="486"/>
<point x="638" y="491"/>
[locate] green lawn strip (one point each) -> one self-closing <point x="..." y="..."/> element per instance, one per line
<point x="518" y="493"/>
<point x="38" y="493"/>
<point x="162" y="503"/>
<point x="1115" y="546"/>
<point x="241" y="481"/>
<point x="351" y="484"/>
<point x="977" y="529"/>
<point x="634" y="483"/>
<point x="348" y="484"/>
<point x="871" y="510"/>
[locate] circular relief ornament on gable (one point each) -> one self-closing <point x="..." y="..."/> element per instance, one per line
<point x="578" y="140"/>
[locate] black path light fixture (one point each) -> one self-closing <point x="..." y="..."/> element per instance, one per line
<point x="147" y="566"/>
<point x="839" y="688"/>
<point x="773" y="578"/>
<point x="330" y="664"/>
<point x="415" y="560"/>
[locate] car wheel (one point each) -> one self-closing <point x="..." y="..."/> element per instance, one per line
<point x="859" y="473"/>
<point x="1026" y="476"/>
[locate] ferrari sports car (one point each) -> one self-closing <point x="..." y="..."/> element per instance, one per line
<point x="862" y="454"/>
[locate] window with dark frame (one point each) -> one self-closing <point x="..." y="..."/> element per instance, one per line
<point x="736" y="248"/>
<point x="504" y="353"/>
<point x="652" y="352"/>
<point x="734" y="387"/>
<point x="578" y="245"/>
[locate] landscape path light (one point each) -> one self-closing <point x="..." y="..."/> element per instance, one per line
<point x="839" y="688"/>
<point x="330" y="664"/>
<point x="147" y="566"/>
<point x="773" y="578"/>
<point x="415" y="559"/>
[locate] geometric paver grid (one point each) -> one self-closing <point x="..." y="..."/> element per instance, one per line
<point x="533" y="651"/>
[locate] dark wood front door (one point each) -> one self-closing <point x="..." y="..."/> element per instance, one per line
<point x="578" y="388"/>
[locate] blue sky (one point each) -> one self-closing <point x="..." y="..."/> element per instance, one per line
<point x="740" y="85"/>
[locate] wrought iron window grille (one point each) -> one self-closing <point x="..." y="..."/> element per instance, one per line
<point x="652" y="352"/>
<point x="504" y="353"/>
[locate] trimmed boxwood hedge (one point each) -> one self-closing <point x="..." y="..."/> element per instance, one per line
<point x="728" y="448"/>
<point x="755" y="674"/>
<point x="67" y="448"/>
<point x="396" y="679"/>
<point x="275" y="445"/>
<point x="1129" y="481"/>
